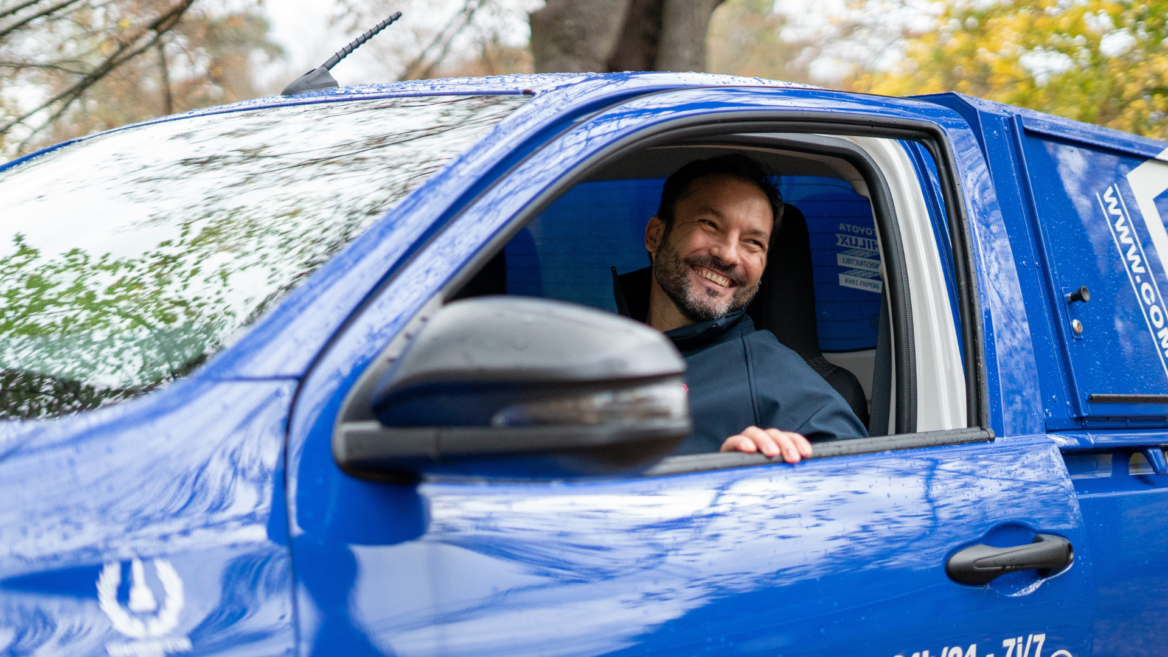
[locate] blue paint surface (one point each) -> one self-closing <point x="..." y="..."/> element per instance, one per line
<point x="838" y="555"/>
<point x="227" y="480"/>
<point x="192" y="476"/>
<point x="1092" y="228"/>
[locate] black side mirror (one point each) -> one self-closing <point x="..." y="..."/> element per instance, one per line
<point x="516" y="387"/>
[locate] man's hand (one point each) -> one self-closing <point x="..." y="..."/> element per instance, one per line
<point x="771" y="442"/>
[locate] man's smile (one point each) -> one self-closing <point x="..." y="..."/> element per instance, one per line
<point x="713" y="276"/>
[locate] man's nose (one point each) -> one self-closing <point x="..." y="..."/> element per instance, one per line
<point x="725" y="248"/>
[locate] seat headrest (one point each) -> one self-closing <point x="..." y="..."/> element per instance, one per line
<point x="785" y="304"/>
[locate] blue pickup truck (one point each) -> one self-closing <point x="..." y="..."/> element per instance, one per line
<point x="340" y="373"/>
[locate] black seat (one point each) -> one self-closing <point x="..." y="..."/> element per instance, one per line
<point x="785" y="306"/>
<point x="491" y="280"/>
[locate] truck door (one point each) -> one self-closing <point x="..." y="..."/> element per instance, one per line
<point x="1099" y="204"/>
<point x="852" y="553"/>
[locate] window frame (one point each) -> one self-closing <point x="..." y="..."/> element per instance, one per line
<point x="748" y="124"/>
<point x="753" y="122"/>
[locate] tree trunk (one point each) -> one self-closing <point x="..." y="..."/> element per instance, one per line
<point x="683" y="34"/>
<point x="636" y="50"/>
<point x="577" y="36"/>
<point x="164" y="71"/>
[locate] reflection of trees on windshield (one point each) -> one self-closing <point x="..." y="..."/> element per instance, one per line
<point x="127" y="260"/>
<point x="68" y="318"/>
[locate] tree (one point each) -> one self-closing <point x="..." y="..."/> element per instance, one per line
<point x="484" y="37"/>
<point x="442" y="38"/>
<point x="71" y="67"/>
<point x="1098" y="61"/>
<point x="746" y="38"/>
<point x="621" y="35"/>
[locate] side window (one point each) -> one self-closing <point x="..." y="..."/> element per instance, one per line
<point x="571" y="250"/>
<point x="1100" y="216"/>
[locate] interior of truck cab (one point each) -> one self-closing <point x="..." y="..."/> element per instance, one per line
<point x="822" y="294"/>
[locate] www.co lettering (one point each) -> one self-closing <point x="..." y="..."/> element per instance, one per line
<point x="1131" y="252"/>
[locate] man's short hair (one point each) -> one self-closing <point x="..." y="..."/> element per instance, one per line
<point x="737" y="166"/>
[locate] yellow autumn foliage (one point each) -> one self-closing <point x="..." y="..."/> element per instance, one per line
<point x="1102" y="62"/>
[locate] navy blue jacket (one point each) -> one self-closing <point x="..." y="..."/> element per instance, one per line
<point x="739" y="376"/>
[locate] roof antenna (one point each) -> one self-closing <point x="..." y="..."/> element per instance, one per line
<point x="320" y="78"/>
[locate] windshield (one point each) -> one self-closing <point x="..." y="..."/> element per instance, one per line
<point x="127" y="259"/>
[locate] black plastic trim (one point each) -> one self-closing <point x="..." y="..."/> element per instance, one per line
<point x="368" y="450"/>
<point x="968" y="303"/>
<point x="824" y="450"/>
<point x="1127" y="399"/>
<point x="369" y="441"/>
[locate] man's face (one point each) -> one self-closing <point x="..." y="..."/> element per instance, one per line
<point x="711" y="261"/>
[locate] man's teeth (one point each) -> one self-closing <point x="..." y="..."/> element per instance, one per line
<point x="711" y="276"/>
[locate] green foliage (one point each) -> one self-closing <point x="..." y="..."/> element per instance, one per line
<point x="156" y="245"/>
<point x="1097" y="61"/>
<point x="106" y="328"/>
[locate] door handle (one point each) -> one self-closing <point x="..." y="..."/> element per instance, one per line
<point x="1155" y="456"/>
<point x="980" y="564"/>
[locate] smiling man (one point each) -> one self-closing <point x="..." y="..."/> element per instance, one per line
<point x="708" y="244"/>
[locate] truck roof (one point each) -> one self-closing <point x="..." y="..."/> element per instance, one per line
<point x="593" y="86"/>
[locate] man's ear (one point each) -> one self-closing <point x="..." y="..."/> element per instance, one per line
<point x="653" y="233"/>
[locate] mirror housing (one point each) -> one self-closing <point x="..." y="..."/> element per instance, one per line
<point x="516" y="387"/>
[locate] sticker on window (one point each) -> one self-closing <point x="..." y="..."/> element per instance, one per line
<point x="860" y="256"/>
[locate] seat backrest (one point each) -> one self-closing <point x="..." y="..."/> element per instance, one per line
<point x="785" y="306"/>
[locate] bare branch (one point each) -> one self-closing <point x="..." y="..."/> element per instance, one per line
<point x="19" y="66"/>
<point x="48" y="11"/>
<point x="121" y="55"/>
<point x="449" y="41"/>
<point x="443" y="39"/>
<point x="164" y="70"/>
<point x="5" y="13"/>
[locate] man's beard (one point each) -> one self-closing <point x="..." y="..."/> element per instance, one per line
<point x="672" y="274"/>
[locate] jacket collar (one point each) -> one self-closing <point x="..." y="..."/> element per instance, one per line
<point x="704" y="334"/>
<point x="631" y="291"/>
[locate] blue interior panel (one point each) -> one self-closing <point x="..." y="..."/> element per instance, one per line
<point x="845" y="257"/>
<point x="568" y="252"/>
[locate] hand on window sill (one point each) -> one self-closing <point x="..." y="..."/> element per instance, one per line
<point x="771" y="443"/>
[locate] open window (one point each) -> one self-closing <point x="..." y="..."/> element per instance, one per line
<point x="861" y="282"/>
<point x="823" y="292"/>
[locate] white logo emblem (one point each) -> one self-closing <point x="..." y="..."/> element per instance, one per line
<point x="144" y="619"/>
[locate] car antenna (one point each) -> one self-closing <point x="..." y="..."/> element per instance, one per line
<point x="320" y="78"/>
